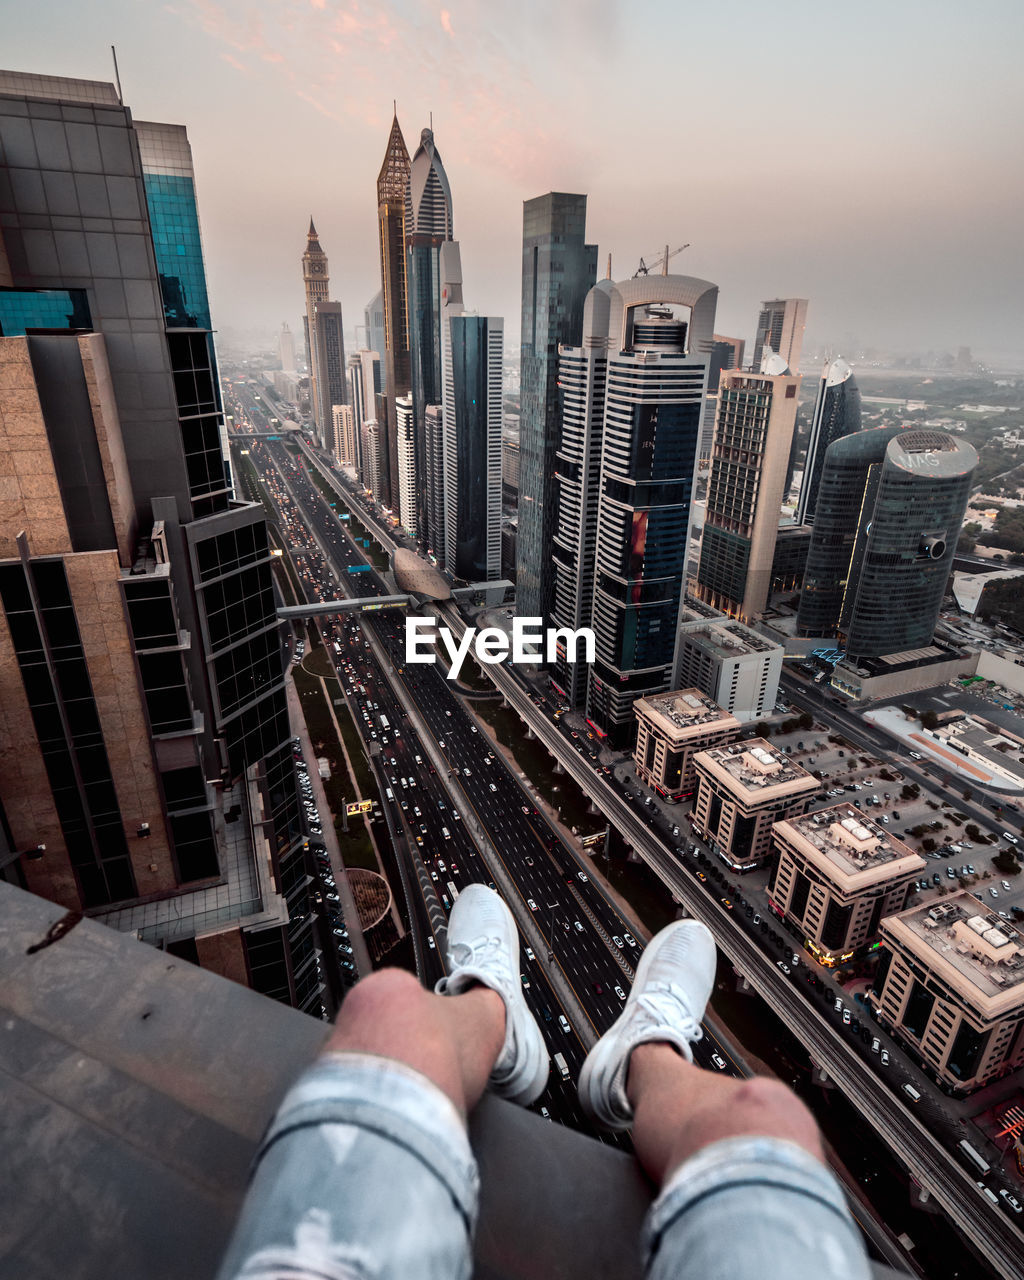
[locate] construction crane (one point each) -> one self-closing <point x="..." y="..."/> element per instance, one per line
<point x="663" y="258"/>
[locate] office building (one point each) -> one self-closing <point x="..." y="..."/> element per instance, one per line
<point x="428" y="224"/>
<point x="742" y="791"/>
<point x="373" y="316"/>
<point x="433" y="432"/>
<point x="510" y="468"/>
<point x="147" y="742"/>
<point x="780" y="326"/>
<point x="407" y="505"/>
<point x="670" y="730"/>
<point x="317" y="283"/>
<point x="633" y="402"/>
<point x="346" y="449"/>
<point x="392" y="187"/>
<point x="789" y="561"/>
<point x="950" y="986"/>
<point x="725" y="353"/>
<point x="836" y="414"/>
<point x="372" y="448"/>
<point x="889" y="513"/>
<point x="558" y="270"/>
<point x="753" y="433"/>
<point x="472" y="349"/>
<point x="836" y="875"/>
<point x="286" y="348"/>
<point x="738" y="667"/>
<point x="330" y="365"/>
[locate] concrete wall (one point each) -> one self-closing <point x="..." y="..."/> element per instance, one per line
<point x="1001" y="670"/>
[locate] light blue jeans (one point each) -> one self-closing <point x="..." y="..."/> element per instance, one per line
<point x="366" y="1173"/>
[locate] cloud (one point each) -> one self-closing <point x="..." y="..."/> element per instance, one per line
<point x="232" y="61"/>
<point x="446" y="22"/>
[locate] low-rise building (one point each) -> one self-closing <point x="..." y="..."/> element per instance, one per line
<point x="733" y="664"/>
<point x="837" y="874"/>
<point x="670" y="729"/>
<point x="950" y="986"/>
<point x="741" y="791"/>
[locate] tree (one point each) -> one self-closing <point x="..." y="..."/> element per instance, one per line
<point x="928" y="845"/>
<point x="971" y="831"/>
<point x="806" y="721"/>
<point x="929" y="719"/>
<point x="764" y="729"/>
<point x="1005" y="862"/>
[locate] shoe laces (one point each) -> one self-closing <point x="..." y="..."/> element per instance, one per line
<point x="666" y="1005"/>
<point x="485" y="952"/>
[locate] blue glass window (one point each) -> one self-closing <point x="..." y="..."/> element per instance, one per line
<point x="24" y="309"/>
<point x="174" y="220"/>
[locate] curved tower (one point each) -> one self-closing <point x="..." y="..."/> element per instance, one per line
<point x="836" y="414"/>
<point x="890" y="507"/>
<point x="428" y="224"/>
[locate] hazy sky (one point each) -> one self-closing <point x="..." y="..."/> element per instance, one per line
<point x="866" y="156"/>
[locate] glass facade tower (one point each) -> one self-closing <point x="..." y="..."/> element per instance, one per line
<point x="890" y="508"/>
<point x="146" y="709"/>
<point x="836" y="414"/>
<point x="558" y="270"/>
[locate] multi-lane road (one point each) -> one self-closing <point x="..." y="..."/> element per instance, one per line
<point x="448" y="767"/>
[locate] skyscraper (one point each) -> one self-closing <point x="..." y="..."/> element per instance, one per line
<point x="558" y="270"/>
<point x="890" y="507"/>
<point x="147" y="742"/>
<point x="330" y="364"/>
<point x="392" y="184"/>
<point x="749" y="456"/>
<point x="346" y="448"/>
<point x="428" y="224"/>
<point x="434" y="480"/>
<point x="407" y="471"/>
<point x="780" y="325"/>
<point x="315" y="279"/>
<point x="286" y="348"/>
<point x="836" y="414"/>
<point x="373" y="316"/>
<point x="634" y="398"/>
<point x="472" y="353"/>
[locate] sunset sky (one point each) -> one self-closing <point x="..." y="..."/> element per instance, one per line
<point x="866" y="157"/>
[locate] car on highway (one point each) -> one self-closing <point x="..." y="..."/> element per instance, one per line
<point x="578" y="926"/>
<point x="781" y="964"/>
<point x="702" y="877"/>
<point x="718" y="1061"/>
<point x="563" y="1022"/>
<point x="529" y="953"/>
<point x="630" y="940"/>
<point x="1011" y="1201"/>
<point x="846" y="1018"/>
<point x="531" y="904"/>
<point x="524" y="979"/>
<point x="581" y="875"/>
<point x="525" y="809"/>
<point x="620" y="993"/>
<point x="884" y="1057"/>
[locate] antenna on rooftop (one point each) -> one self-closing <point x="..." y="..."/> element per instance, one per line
<point x="117" y="75"/>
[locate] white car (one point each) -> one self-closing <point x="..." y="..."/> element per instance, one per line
<point x="618" y="942"/>
<point x="718" y="1061"/>
<point x="581" y="875"/>
<point x="531" y="904"/>
<point x="781" y="964"/>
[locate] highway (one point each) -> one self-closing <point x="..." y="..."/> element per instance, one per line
<point x="573" y="916"/>
<point x="430" y="813"/>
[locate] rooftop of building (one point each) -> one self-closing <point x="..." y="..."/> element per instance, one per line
<point x="969" y="946"/>
<point x="134" y="1080"/>
<point x="727" y="638"/>
<point x="852" y="850"/>
<point x="685" y="711"/>
<point x="756" y="770"/>
<point x="893" y="663"/>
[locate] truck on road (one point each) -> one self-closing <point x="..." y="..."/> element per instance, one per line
<point x="563" y="1070"/>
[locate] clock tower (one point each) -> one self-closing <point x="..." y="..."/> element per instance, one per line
<point x="315" y="279"/>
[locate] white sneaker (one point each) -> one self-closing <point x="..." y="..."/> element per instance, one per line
<point x="674" y="979"/>
<point x="483" y="947"/>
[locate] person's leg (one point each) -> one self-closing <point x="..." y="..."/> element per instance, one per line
<point x="744" y="1189"/>
<point x="366" y="1168"/>
<point x="454" y="1043"/>
<point x="680" y="1108"/>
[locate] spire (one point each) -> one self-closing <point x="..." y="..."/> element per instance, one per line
<point x="394" y="172"/>
<point x="312" y="230"/>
